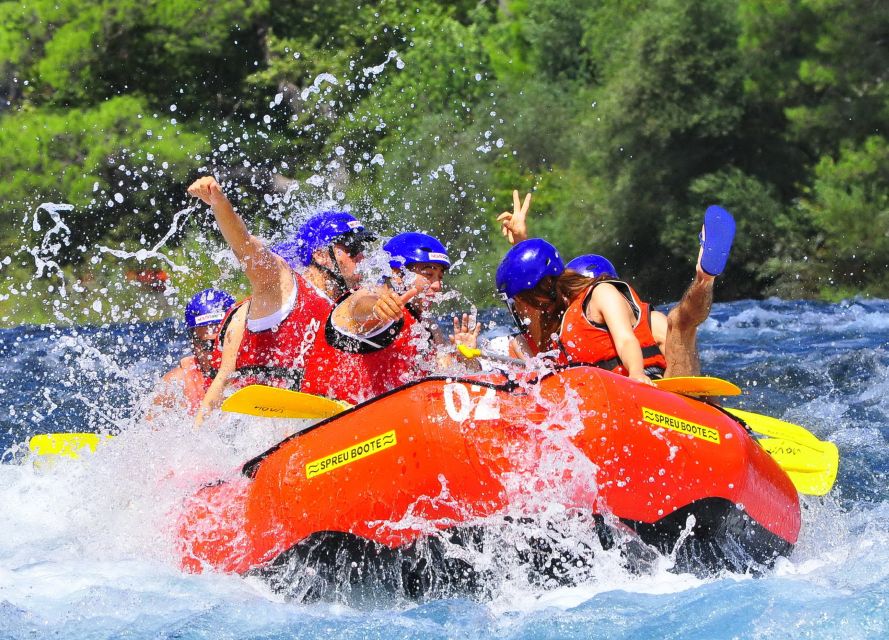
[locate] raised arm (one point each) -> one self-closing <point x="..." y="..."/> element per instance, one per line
<point x="262" y="267"/>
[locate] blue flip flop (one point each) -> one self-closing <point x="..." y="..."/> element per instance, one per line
<point x="719" y="231"/>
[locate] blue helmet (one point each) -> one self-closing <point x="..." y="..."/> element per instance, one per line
<point x="318" y="232"/>
<point x="207" y="307"/>
<point x="410" y="248"/>
<point x="526" y="264"/>
<point x="593" y="266"/>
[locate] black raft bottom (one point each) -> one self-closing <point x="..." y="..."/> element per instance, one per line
<point x="713" y="535"/>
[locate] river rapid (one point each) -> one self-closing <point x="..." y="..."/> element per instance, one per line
<point x="87" y="546"/>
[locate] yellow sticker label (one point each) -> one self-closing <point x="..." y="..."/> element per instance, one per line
<point x="351" y="454"/>
<point x="673" y="423"/>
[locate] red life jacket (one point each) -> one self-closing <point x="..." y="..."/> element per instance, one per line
<point x="280" y="356"/>
<point x="583" y="341"/>
<point x="355" y="369"/>
<point x="303" y="354"/>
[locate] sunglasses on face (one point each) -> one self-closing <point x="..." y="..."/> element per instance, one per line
<point x="354" y="249"/>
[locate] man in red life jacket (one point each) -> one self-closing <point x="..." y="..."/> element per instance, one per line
<point x="388" y="325"/>
<point x="195" y="373"/>
<point x="270" y="336"/>
<point x="292" y="344"/>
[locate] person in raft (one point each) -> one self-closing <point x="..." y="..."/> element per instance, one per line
<point x="390" y="326"/>
<point x="195" y="373"/>
<point x="601" y="320"/>
<point x="270" y="337"/>
<point x="295" y="346"/>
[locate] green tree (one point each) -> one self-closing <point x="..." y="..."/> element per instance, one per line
<point x="81" y="157"/>
<point x="849" y="202"/>
<point x="667" y="112"/>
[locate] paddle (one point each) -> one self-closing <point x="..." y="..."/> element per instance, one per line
<point x="810" y="463"/>
<point x="813" y="470"/>
<point x="67" y="445"/>
<point x="272" y="402"/>
<point x="254" y="400"/>
<point x="698" y="386"/>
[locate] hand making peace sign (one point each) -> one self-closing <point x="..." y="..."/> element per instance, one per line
<point x="513" y="224"/>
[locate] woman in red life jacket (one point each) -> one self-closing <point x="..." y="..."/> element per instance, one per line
<point x="581" y="319"/>
<point x="676" y="333"/>
<point x="195" y="373"/>
<point x="388" y="326"/>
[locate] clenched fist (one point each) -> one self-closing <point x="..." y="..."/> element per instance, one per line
<point x="208" y="190"/>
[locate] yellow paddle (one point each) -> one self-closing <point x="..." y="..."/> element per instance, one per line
<point x="812" y="469"/>
<point x="254" y="400"/>
<point x="775" y="428"/>
<point x="811" y="463"/>
<point x="698" y="386"/>
<point x="272" y="402"/>
<point x="68" y="445"/>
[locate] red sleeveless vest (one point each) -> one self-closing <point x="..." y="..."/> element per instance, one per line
<point x="298" y="354"/>
<point x="356" y="376"/>
<point x="280" y="356"/>
<point x="582" y="341"/>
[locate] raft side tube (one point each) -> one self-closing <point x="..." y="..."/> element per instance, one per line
<point x="442" y="453"/>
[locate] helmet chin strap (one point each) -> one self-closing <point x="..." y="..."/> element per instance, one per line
<point x="334" y="274"/>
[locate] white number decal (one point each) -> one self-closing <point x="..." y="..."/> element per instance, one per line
<point x="460" y="402"/>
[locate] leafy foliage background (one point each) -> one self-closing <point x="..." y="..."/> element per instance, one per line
<point x="627" y="118"/>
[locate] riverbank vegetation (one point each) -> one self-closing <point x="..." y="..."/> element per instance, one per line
<point x="627" y="118"/>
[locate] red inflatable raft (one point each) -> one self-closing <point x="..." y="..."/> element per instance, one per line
<point x="445" y="455"/>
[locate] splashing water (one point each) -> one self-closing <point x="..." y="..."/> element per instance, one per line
<point x="87" y="547"/>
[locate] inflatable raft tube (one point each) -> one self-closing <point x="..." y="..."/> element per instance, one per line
<point x="441" y="457"/>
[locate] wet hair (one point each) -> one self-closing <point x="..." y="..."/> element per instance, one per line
<point x="572" y="283"/>
<point x="552" y="295"/>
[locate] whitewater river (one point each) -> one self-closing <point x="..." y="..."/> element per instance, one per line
<point x="87" y="547"/>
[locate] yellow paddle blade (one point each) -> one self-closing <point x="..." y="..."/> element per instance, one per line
<point x="774" y="428"/>
<point x="468" y="352"/>
<point x="812" y="469"/>
<point x="698" y="386"/>
<point x="811" y="463"/>
<point x="68" y="445"/>
<point x="272" y="402"/>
